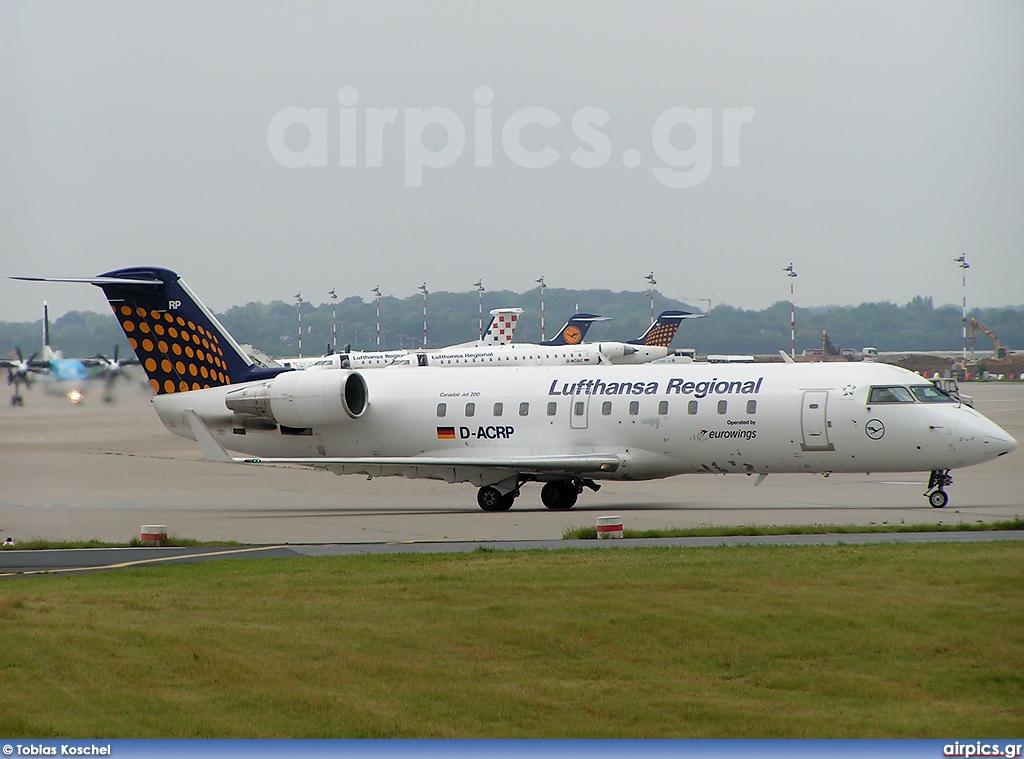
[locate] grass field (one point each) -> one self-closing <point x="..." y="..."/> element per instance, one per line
<point x="847" y="641"/>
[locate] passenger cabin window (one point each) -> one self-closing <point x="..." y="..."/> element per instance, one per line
<point x="524" y="409"/>
<point x="663" y="408"/>
<point x="751" y="407"/>
<point x="931" y="394"/>
<point x="498" y="408"/>
<point x="606" y="408"/>
<point x="634" y="408"/>
<point x="894" y="394"/>
<point x="552" y="408"/>
<point x="577" y="408"/>
<point x="470" y="409"/>
<point x="691" y="408"/>
<point x="442" y="409"/>
<point x="723" y="407"/>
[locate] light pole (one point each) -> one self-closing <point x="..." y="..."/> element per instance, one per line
<point x="376" y="292"/>
<point x="298" y="300"/>
<point x="964" y="266"/>
<point x="792" y="312"/>
<point x="543" y="287"/>
<point x="652" y="282"/>
<point x="334" y="320"/>
<point x="423" y="289"/>
<point x="479" y="285"/>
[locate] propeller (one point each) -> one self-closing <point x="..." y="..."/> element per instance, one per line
<point x="20" y="372"/>
<point x="112" y="368"/>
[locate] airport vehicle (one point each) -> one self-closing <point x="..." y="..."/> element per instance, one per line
<point x="567" y="427"/>
<point x="998" y="349"/>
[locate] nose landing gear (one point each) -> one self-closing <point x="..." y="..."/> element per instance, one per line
<point x="937" y="483"/>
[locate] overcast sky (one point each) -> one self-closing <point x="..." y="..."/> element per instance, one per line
<point x="867" y="143"/>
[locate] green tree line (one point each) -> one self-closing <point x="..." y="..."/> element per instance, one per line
<point x="453" y="318"/>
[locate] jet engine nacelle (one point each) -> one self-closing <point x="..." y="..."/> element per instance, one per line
<point x="303" y="399"/>
<point x="615" y="350"/>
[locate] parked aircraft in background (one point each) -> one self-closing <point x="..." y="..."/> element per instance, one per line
<point x="567" y="427"/>
<point x="566" y="348"/>
<point x="499" y="332"/>
<point x="467" y="354"/>
<point x="63" y="376"/>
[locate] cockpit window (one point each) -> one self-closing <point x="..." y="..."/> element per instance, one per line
<point x="893" y="394"/>
<point x="931" y="394"/>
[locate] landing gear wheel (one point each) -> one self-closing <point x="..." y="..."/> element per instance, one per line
<point x="561" y="495"/>
<point x="490" y="499"/>
<point x="17" y="400"/>
<point x="936" y="494"/>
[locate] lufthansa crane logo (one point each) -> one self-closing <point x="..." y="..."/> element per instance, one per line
<point x="572" y="335"/>
<point x="874" y="429"/>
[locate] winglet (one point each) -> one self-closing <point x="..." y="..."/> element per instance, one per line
<point x="786" y="357"/>
<point x="212" y="450"/>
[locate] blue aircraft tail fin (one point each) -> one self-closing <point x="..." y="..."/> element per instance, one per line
<point x="177" y="340"/>
<point x="664" y="328"/>
<point x="575" y="329"/>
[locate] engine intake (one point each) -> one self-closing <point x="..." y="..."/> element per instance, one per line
<point x="303" y="399"/>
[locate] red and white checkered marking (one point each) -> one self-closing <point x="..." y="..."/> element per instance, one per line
<point x="502" y="327"/>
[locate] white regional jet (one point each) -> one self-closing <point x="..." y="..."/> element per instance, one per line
<point x="568" y="427"/>
<point x="499" y="332"/>
<point x="566" y="348"/>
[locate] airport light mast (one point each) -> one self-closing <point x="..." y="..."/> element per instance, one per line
<point x="298" y="301"/>
<point x="792" y="311"/>
<point x="650" y="292"/>
<point x="479" y="285"/>
<point x="543" y="287"/>
<point x="964" y="266"/>
<point x="334" y="320"/>
<point x="423" y="289"/>
<point x="376" y="293"/>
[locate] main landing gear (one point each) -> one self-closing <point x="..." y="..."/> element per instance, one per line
<point x="559" y="495"/>
<point x="491" y="499"/>
<point x="937" y="483"/>
<point x="17" y="400"/>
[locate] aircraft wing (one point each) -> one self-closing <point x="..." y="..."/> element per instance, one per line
<point x="449" y="468"/>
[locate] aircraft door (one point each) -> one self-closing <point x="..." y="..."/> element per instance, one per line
<point x="579" y="409"/>
<point x="814" y="421"/>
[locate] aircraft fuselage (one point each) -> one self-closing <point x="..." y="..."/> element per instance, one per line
<point x="659" y="420"/>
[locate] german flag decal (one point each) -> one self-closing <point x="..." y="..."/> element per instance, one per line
<point x="445" y="433"/>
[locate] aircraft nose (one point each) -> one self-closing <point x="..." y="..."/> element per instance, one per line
<point x="994" y="440"/>
<point x="1002" y="446"/>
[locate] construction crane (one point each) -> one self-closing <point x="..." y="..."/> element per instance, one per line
<point x="976" y="326"/>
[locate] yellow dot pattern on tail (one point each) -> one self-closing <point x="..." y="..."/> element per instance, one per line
<point x="662" y="334"/>
<point x="177" y="354"/>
